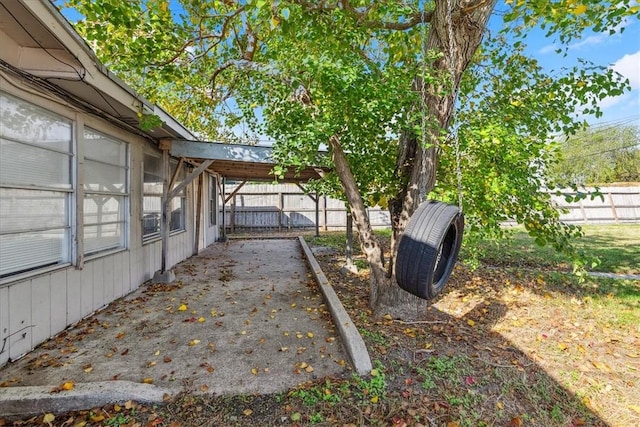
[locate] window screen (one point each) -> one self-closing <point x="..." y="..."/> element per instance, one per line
<point x="35" y="187"/>
<point x="106" y="192"/>
<point x="152" y="198"/>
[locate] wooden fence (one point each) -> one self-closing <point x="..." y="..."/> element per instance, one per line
<point x="286" y="207"/>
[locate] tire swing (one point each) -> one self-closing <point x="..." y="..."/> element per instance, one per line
<point x="429" y="248"/>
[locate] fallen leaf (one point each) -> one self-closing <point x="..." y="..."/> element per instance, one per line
<point x="296" y="416"/>
<point x="183" y="307"/>
<point x="120" y="335"/>
<point x="201" y="319"/>
<point x="247" y="412"/>
<point x="562" y="346"/>
<point x="166" y="359"/>
<point x="515" y="422"/>
<point x="147" y="381"/>
<point x="601" y="366"/>
<point x="635" y="408"/>
<point x="254" y="371"/>
<point x="310" y="334"/>
<point x="69" y="385"/>
<point x="375" y="399"/>
<point x="48" y="418"/>
<point x="471" y="322"/>
<point x="194" y="342"/>
<point x="204" y="388"/>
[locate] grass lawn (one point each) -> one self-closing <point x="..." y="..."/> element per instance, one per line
<point x="617" y="246"/>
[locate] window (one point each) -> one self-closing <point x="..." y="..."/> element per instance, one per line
<point x="152" y="198"/>
<point x="213" y="201"/>
<point x="35" y="187"/>
<point x="178" y="204"/>
<point x="106" y="192"/>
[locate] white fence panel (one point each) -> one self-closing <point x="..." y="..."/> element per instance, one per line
<point x="286" y="206"/>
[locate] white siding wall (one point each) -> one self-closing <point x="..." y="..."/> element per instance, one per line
<point x="34" y="308"/>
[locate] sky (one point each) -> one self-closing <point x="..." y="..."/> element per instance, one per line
<point x="620" y="51"/>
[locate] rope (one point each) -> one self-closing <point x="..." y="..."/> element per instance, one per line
<point x="423" y="109"/>
<point x="453" y="132"/>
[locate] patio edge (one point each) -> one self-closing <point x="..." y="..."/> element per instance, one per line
<point x="351" y="338"/>
<point x="17" y="402"/>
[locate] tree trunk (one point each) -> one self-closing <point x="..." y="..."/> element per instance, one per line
<point x="417" y="158"/>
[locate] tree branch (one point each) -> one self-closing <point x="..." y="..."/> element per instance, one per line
<point x="421" y="17"/>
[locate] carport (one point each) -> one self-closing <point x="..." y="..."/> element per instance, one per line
<point x="236" y="162"/>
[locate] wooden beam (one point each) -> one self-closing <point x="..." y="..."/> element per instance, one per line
<point x="234" y="192"/>
<point x="164" y="226"/>
<point x="193" y="175"/>
<point x="175" y="173"/>
<point x="196" y="246"/>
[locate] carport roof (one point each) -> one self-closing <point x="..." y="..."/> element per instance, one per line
<point x="240" y="162"/>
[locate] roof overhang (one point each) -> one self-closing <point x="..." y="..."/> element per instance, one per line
<point x="38" y="43"/>
<point x="241" y="162"/>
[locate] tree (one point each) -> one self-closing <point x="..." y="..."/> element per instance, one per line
<point x="599" y="156"/>
<point x="377" y="82"/>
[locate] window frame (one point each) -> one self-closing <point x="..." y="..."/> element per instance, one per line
<point x="180" y="199"/>
<point x="28" y="191"/>
<point x="213" y="201"/>
<point x="125" y="194"/>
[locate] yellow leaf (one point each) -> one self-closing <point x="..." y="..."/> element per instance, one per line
<point x="117" y="408"/>
<point x="247" y="412"/>
<point x="453" y="424"/>
<point x="635" y="408"/>
<point x="470" y="322"/>
<point x="294" y="305"/>
<point x="88" y="369"/>
<point x="183" y="307"/>
<point x="80" y="424"/>
<point x="254" y="371"/>
<point x="201" y="319"/>
<point x="580" y="9"/>
<point x="499" y="405"/>
<point x="156" y="353"/>
<point x="97" y="418"/>
<point x="310" y="334"/>
<point x="388" y="317"/>
<point x="48" y="418"/>
<point x="69" y="385"/>
<point x="374" y="373"/>
<point x="374" y="399"/>
<point x="601" y="366"/>
<point x="562" y="346"/>
<point x="147" y="381"/>
<point x="194" y="342"/>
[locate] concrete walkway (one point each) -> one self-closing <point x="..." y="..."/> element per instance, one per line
<point x="242" y="317"/>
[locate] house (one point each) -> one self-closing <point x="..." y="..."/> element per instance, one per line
<point x="92" y="205"/>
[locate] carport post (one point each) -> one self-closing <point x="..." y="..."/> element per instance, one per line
<point x="317" y="214"/>
<point x="164" y="225"/>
